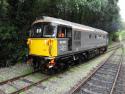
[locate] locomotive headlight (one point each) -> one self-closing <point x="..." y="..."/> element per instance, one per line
<point x="51" y="63"/>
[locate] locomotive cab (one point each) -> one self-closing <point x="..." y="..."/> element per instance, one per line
<point x="42" y="41"/>
<point x="47" y="41"/>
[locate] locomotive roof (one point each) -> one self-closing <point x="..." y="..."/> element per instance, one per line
<point x="68" y="23"/>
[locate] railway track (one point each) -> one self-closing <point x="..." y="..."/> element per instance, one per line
<point x="29" y="86"/>
<point x="15" y="78"/>
<point x="102" y="80"/>
<point x="22" y="83"/>
<point x="119" y="87"/>
<point x="113" y="48"/>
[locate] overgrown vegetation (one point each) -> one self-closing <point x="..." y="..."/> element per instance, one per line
<point x="16" y="17"/>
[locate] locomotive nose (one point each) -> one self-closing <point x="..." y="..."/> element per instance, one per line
<point x="42" y="46"/>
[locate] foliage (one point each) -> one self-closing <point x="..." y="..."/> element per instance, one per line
<point x="121" y="34"/>
<point x="8" y="43"/>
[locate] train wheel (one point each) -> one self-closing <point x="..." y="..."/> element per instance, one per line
<point x="35" y="68"/>
<point x="81" y="58"/>
<point x="35" y="64"/>
<point x="51" y="71"/>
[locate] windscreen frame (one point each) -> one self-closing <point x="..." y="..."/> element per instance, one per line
<point x="41" y="34"/>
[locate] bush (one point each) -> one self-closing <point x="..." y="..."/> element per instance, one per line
<point x="11" y="49"/>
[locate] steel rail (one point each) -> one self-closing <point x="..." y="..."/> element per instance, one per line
<point x="113" y="46"/>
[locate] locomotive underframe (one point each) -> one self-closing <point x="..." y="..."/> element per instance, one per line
<point x="54" y="64"/>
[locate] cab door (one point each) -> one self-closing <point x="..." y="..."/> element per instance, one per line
<point x="69" y="36"/>
<point x="64" y="35"/>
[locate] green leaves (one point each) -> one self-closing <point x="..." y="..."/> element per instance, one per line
<point x="8" y="44"/>
<point x="8" y="32"/>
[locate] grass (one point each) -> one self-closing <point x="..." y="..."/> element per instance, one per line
<point x="121" y="34"/>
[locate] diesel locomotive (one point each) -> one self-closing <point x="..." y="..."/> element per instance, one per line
<point x="55" y="43"/>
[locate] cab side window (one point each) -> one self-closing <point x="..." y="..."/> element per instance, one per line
<point x="64" y="32"/>
<point x="69" y="33"/>
<point x="61" y="32"/>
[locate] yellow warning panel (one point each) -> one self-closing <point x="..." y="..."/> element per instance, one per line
<point x="43" y="46"/>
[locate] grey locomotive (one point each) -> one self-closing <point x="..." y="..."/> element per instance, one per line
<point x="55" y="43"/>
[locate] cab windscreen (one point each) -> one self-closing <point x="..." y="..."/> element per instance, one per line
<point x="42" y="30"/>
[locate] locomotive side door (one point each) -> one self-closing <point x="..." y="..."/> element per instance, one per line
<point x="69" y="36"/>
<point x="65" y="32"/>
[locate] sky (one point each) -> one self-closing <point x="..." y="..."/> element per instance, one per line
<point x="122" y="8"/>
